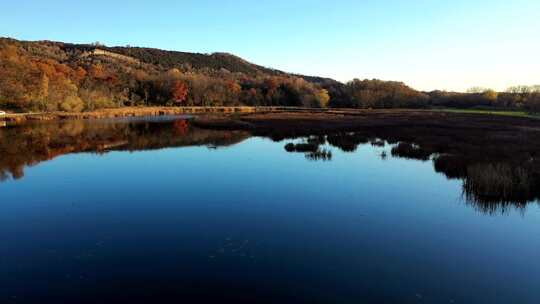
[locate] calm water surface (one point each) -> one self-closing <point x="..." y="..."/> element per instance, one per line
<point x="161" y="212"/>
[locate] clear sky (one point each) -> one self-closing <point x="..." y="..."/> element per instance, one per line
<point x="428" y="44"/>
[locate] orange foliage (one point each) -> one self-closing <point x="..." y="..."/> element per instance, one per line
<point x="97" y="71"/>
<point x="271" y="84"/>
<point x="46" y="68"/>
<point x="80" y="74"/>
<point x="234" y="87"/>
<point x="63" y="69"/>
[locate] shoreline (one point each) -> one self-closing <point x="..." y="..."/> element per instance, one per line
<point x="126" y="112"/>
<point x="161" y="111"/>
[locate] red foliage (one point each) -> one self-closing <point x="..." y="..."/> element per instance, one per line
<point x="179" y="91"/>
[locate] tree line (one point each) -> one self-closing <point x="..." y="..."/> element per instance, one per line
<point x="50" y="76"/>
<point x="525" y="98"/>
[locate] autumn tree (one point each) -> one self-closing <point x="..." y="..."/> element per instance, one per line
<point x="323" y="98"/>
<point x="179" y="91"/>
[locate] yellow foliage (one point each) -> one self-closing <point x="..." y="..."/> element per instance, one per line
<point x="323" y="98"/>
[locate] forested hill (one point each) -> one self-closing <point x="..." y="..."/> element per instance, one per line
<point x="58" y="76"/>
<point x="51" y="76"/>
<point x="188" y="61"/>
<point x="175" y="59"/>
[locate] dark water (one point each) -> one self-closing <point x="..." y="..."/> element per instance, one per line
<point x="162" y="212"/>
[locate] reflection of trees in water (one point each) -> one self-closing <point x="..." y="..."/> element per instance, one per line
<point x="495" y="177"/>
<point x="497" y="173"/>
<point x="29" y="144"/>
<point x="348" y="142"/>
<point x="181" y="126"/>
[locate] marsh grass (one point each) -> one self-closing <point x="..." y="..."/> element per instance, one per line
<point x="320" y="155"/>
<point x="499" y="183"/>
<point x="493" y="112"/>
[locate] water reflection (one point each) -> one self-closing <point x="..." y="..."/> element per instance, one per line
<point x="494" y="179"/>
<point x="30" y="144"/>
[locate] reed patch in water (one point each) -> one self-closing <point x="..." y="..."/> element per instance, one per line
<point x="410" y="151"/>
<point x="497" y="183"/>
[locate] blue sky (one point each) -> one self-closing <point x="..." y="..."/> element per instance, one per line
<point x="428" y="44"/>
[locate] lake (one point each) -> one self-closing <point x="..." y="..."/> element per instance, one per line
<point x="156" y="210"/>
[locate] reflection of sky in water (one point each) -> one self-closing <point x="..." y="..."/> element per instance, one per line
<point x="227" y="220"/>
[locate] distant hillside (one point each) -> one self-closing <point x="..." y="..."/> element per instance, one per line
<point x="52" y="76"/>
<point x="58" y="76"/>
<point x="216" y="61"/>
<point x="172" y="59"/>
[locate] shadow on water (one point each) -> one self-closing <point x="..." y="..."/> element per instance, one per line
<point x="496" y="176"/>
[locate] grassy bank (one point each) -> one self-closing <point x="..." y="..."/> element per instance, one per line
<point x="492" y="112"/>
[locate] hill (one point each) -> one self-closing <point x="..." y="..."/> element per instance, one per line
<point x="58" y="76"/>
<point x="51" y="76"/>
<point x="175" y="59"/>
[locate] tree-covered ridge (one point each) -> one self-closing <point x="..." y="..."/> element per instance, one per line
<point x="161" y="58"/>
<point x="56" y="76"/>
<point x="173" y="59"/>
<point x="51" y="76"/>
